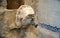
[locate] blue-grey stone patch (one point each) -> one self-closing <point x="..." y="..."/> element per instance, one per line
<point x="49" y="27"/>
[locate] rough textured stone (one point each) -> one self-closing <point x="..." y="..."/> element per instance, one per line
<point x="3" y="3"/>
<point x="7" y="24"/>
<point x="9" y="29"/>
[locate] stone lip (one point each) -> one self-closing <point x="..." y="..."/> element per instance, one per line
<point x="49" y="27"/>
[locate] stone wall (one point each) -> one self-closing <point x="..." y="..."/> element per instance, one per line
<point x="49" y="12"/>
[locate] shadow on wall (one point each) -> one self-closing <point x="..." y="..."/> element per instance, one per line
<point x="15" y="4"/>
<point x="1" y="36"/>
<point x="0" y="1"/>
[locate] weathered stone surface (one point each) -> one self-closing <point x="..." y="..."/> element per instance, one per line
<point x="8" y="28"/>
<point x="32" y="3"/>
<point x="7" y="21"/>
<point x="30" y="32"/>
<point x="3" y="29"/>
<point x="10" y="16"/>
<point x="3" y="3"/>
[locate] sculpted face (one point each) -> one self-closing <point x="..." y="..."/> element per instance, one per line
<point x="24" y="15"/>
